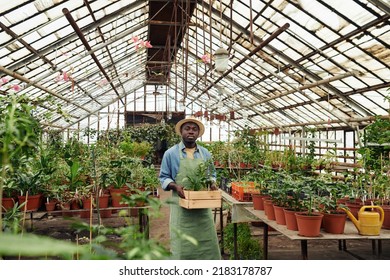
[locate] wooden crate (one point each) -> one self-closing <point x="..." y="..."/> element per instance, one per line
<point x="201" y="199"/>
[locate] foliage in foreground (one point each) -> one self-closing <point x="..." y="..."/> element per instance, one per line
<point x="248" y="247"/>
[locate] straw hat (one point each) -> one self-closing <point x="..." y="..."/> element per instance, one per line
<point x="187" y="120"/>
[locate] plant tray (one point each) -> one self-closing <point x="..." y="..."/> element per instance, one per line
<point x="242" y="191"/>
<point x="201" y="199"/>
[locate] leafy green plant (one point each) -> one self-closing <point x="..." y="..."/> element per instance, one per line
<point x="142" y="198"/>
<point x="331" y="193"/>
<point x="248" y="248"/>
<point x="201" y="178"/>
<point x="9" y="187"/>
<point x="312" y="188"/>
<point x="12" y="219"/>
<point x="28" y="182"/>
<point x="142" y="149"/>
<point x="376" y="138"/>
<point x="74" y="176"/>
<point x="150" y="179"/>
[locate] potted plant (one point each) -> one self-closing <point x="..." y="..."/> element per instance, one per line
<point x="261" y="177"/>
<point x="334" y="218"/>
<point x="279" y="196"/>
<point x="28" y="183"/>
<point x="51" y="194"/>
<point x="294" y="203"/>
<point x="309" y="222"/>
<point x="9" y="196"/>
<point x="142" y="149"/>
<point x="217" y="150"/>
<point x="119" y="181"/>
<point x="150" y="180"/>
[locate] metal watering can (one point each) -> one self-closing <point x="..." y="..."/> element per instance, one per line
<point x="370" y="222"/>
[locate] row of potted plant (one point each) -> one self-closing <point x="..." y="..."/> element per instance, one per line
<point x="76" y="173"/>
<point x="283" y="194"/>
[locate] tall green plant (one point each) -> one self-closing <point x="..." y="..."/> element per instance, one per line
<point x="19" y="134"/>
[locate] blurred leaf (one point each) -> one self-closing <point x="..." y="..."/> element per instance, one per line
<point x="33" y="245"/>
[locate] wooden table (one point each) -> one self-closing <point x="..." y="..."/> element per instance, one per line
<point x="350" y="233"/>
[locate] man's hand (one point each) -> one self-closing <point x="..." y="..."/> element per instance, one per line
<point x="213" y="187"/>
<point x="178" y="189"/>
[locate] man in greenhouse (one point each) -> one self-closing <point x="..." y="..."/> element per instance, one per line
<point x="182" y="165"/>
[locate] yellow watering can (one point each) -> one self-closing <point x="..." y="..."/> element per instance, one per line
<point x="370" y="222"/>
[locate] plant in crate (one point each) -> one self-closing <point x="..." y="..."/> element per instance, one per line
<point x="200" y="179"/>
<point x="197" y="185"/>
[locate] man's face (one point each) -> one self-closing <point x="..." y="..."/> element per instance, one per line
<point x="190" y="132"/>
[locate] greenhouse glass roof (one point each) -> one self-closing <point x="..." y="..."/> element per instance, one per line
<point x="292" y="63"/>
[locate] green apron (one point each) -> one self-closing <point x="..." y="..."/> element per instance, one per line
<point x="197" y="223"/>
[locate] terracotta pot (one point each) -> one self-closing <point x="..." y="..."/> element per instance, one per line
<point x="8" y="203"/>
<point x="291" y="220"/>
<point x="75" y="205"/>
<point x="269" y="209"/>
<point x="279" y="215"/>
<point x="116" y="197"/>
<point x="50" y="206"/>
<point x="66" y="212"/>
<point x="258" y="202"/>
<point x="334" y="222"/>
<point x="371" y="201"/>
<point x="103" y="200"/>
<point x="264" y="199"/>
<point x="87" y="203"/>
<point x="309" y="225"/>
<point x="386" y="221"/>
<point x="33" y="202"/>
